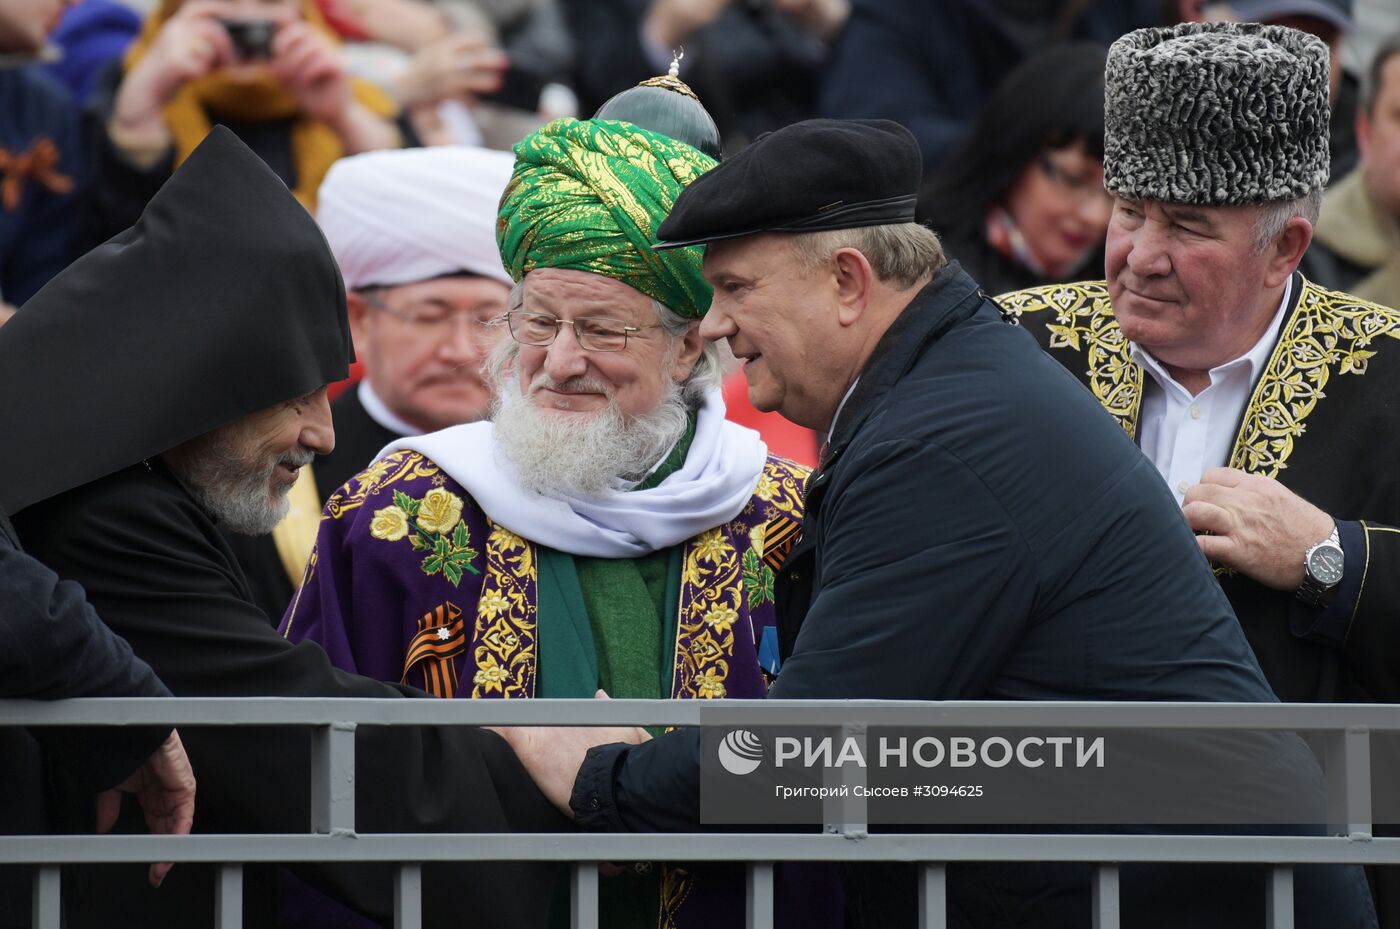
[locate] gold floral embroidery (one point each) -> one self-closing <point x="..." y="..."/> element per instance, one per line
<point x="1084" y="324"/>
<point x="503" y="640"/>
<point x="389" y="524"/>
<point x="441" y="509"/>
<point x="711" y="594"/>
<point x="782" y="481"/>
<point x="489" y="678"/>
<point x="1329" y="333"/>
<point x="676" y="885"/>
<point x="387" y="471"/>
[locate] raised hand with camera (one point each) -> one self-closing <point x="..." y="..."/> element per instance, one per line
<point x="312" y="68"/>
<point x="192" y="43"/>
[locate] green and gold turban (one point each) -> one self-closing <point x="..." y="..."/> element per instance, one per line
<point x="589" y="194"/>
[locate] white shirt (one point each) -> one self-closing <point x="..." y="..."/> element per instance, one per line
<point x="1186" y="436"/>
<point x="379" y="411"/>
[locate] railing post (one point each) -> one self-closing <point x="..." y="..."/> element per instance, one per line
<point x="758" y="895"/>
<point x="846" y="814"/>
<point x="47" y="901"/>
<point x="933" y="896"/>
<point x="333" y="778"/>
<point x="583" y="896"/>
<point x="1107" y="911"/>
<point x="1348" y="759"/>
<point x="1278" y="906"/>
<point x="408" y="897"/>
<point x="228" y="897"/>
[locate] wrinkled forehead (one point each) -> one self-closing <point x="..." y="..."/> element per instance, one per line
<point x="568" y="293"/>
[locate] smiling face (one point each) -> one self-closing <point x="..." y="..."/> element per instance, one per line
<point x="564" y="378"/>
<point x="424" y="344"/>
<point x="1187" y="283"/>
<point x="1059" y="204"/>
<point x="781" y="320"/>
<point x="242" y="472"/>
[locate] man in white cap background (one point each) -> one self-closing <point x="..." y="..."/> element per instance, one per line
<point x="413" y="232"/>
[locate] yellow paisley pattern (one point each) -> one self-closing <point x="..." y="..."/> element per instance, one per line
<point x="1084" y="324"/>
<point x="1328" y="334"/>
<point x="711" y="593"/>
<point x="389" y="470"/>
<point x="780" y="488"/>
<point x="503" y="638"/>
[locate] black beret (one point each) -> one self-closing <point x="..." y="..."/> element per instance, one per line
<point x="813" y="175"/>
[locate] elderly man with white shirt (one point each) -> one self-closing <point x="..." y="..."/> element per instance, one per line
<point x="1267" y="403"/>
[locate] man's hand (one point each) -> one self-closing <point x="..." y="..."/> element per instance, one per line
<point x="164" y="786"/>
<point x="553" y="754"/>
<point x="1258" y="527"/>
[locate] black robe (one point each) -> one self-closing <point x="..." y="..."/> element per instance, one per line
<point x="358" y="438"/>
<point x="52" y="645"/>
<point x="159" y="572"/>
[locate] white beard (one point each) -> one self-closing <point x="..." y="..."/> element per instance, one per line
<point x="221" y="474"/>
<point x="564" y="454"/>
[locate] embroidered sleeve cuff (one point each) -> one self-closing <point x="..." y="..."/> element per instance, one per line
<point x="592" y="800"/>
<point x="1328" y="625"/>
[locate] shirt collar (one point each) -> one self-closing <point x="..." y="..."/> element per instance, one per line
<point x="839" y="407"/>
<point x="1253" y="360"/>
<point x="379" y="411"/>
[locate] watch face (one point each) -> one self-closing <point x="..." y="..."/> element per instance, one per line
<point x="1325" y="565"/>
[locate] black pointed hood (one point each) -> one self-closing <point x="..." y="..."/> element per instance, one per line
<point x="222" y="300"/>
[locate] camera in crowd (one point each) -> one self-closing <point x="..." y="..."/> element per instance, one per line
<point x="252" y="38"/>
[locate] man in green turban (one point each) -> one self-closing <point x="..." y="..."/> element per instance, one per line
<point x="609" y="529"/>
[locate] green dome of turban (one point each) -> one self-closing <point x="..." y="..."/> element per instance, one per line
<point x="589" y="195"/>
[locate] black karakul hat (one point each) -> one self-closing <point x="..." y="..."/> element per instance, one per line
<point x="814" y="175"/>
<point x="222" y="300"/>
<point x="1216" y="114"/>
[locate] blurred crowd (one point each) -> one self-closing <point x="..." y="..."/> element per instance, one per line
<point x="102" y="99"/>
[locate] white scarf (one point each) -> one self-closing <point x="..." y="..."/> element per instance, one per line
<point x="712" y="487"/>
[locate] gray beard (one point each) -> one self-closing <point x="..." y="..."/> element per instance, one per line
<point x="238" y="492"/>
<point x="559" y="454"/>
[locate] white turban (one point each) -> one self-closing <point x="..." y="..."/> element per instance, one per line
<point x="397" y="217"/>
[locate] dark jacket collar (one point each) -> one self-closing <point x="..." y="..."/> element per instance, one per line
<point x="945" y="301"/>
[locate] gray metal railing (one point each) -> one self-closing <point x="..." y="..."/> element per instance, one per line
<point x="1345" y="729"/>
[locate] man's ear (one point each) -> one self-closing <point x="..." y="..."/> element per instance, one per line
<point x="357" y="308"/>
<point x="1287" y="251"/>
<point x="688" y="350"/>
<point x="854" y="279"/>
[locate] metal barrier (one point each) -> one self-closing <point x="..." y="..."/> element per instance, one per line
<point x="1346" y="730"/>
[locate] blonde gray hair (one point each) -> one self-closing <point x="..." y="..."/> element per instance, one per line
<point x="902" y="254"/>
<point x="1272" y="217"/>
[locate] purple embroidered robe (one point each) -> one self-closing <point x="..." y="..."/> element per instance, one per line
<point x="410" y="581"/>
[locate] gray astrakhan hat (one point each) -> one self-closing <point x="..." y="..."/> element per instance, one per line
<point x="1216" y="114"/>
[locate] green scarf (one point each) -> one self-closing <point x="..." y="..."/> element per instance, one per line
<point x="611" y="623"/>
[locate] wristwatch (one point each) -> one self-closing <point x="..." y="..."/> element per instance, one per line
<point x="1322" y="570"/>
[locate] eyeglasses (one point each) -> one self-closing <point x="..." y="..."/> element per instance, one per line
<point x="1081" y="188"/>
<point x="594" y="333"/>
<point x="434" y="316"/>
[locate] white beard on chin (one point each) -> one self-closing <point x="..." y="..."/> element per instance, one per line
<point x="219" y="472"/>
<point x="564" y="454"/>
